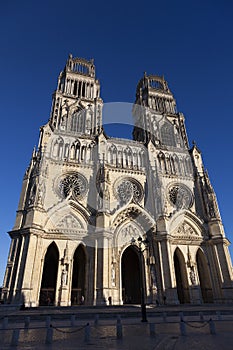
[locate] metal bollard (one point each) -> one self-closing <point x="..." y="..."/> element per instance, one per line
<point x="48" y="321"/>
<point x="212" y="326"/>
<point x="164" y="317"/>
<point x="183" y="328"/>
<point x="5" y="323"/>
<point x="181" y="314"/>
<point x="72" y="320"/>
<point x="152" y="329"/>
<point x="49" y="335"/>
<point x="119" y="328"/>
<point x="87" y="334"/>
<point x="201" y="316"/>
<point x="218" y="313"/>
<point x="96" y="320"/>
<point x="27" y="322"/>
<point x="15" y="337"/>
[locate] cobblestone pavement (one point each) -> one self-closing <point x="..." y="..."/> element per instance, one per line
<point x="163" y="331"/>
<point x="135" y="335"/>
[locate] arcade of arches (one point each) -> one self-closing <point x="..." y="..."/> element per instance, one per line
<point x="181" y="274"/>
<point x="190" y="278"/>
<point x="49" y="277"/>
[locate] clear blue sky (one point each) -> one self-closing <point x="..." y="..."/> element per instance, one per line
<point x="190" y="42"/>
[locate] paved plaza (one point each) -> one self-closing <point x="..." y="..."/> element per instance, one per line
<point x="118" y="328"/>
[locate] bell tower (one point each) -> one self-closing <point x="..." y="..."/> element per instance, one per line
<point x="77" y="105"/>
<point x="155" y="114"/>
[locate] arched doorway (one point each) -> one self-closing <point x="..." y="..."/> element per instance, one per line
<point x="78" y="290"/>
<point x="181" y="278"/>
<point x="204" y="277"/>
<point x="130" y="272"/>
<point x="49" y="276"/>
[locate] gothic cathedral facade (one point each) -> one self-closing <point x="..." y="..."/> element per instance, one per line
<point x="95" y="211"/>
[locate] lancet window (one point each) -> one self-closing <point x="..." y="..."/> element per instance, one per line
<point x="167" y="135"/>
<point x="77" y="121"/>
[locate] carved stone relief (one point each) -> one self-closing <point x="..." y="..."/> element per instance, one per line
<point x="127" y="233"/>
<point x="69" y="221"/>
<point x="185" y="230"/>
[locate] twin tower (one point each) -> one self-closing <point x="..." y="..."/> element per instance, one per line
<point x="95" y="211"/>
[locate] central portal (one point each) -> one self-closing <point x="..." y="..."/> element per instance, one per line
<point x="130" y="271"/>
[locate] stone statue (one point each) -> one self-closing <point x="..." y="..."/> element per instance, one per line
<point x="192" y="276"/>
<point x="113" y="276"/>
<point x="41" y="194"/>
<point x="64" y="277"/>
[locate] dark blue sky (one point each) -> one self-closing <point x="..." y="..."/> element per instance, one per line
<point x="189" y="42"/>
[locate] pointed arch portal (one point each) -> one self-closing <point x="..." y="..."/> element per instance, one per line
<point x="79" y="276"/>
<point x="204" y="277"/>
<point x="49" y="276"/>
<point x="130" y="271"/>
<point x="181" y="278"/>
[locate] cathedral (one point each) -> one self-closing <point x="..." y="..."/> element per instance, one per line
<point x="103" y="220"/>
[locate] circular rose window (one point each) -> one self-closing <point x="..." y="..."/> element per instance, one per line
<point x="72" y="186"/>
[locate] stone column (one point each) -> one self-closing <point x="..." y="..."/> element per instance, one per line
<point x="225" y="270"/>
<point x="11" y="275"/>
<point x="103" y="277"/>
<point x="95" y="272"/>
<point x="30" y="284"/>
<point x="170" y="292"/>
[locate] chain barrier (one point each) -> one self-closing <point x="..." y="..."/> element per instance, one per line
<point x="67" y="332"/>
<point x="201" y="326"/>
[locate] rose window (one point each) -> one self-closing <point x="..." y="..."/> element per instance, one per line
<point x="125" y="191"/>
<point x="72" y="186"/>
<point x="129" y="189"/>
<point x="180" y="196"/>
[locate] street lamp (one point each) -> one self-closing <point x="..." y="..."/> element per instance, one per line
<point x="139" y="244"/>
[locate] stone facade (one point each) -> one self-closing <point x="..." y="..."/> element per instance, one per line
<point x="87" y="198"/>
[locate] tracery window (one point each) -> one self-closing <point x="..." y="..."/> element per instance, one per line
<point x="72" y="186"/>
<point x="167" y="135"/>
<point x="128" y="189"/>
<point x="155" y="84"/>
<point x="77" y="121"/>
<point x="180" y="196"/>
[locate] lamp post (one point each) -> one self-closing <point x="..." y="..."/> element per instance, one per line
<point x="139" y="244"/>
